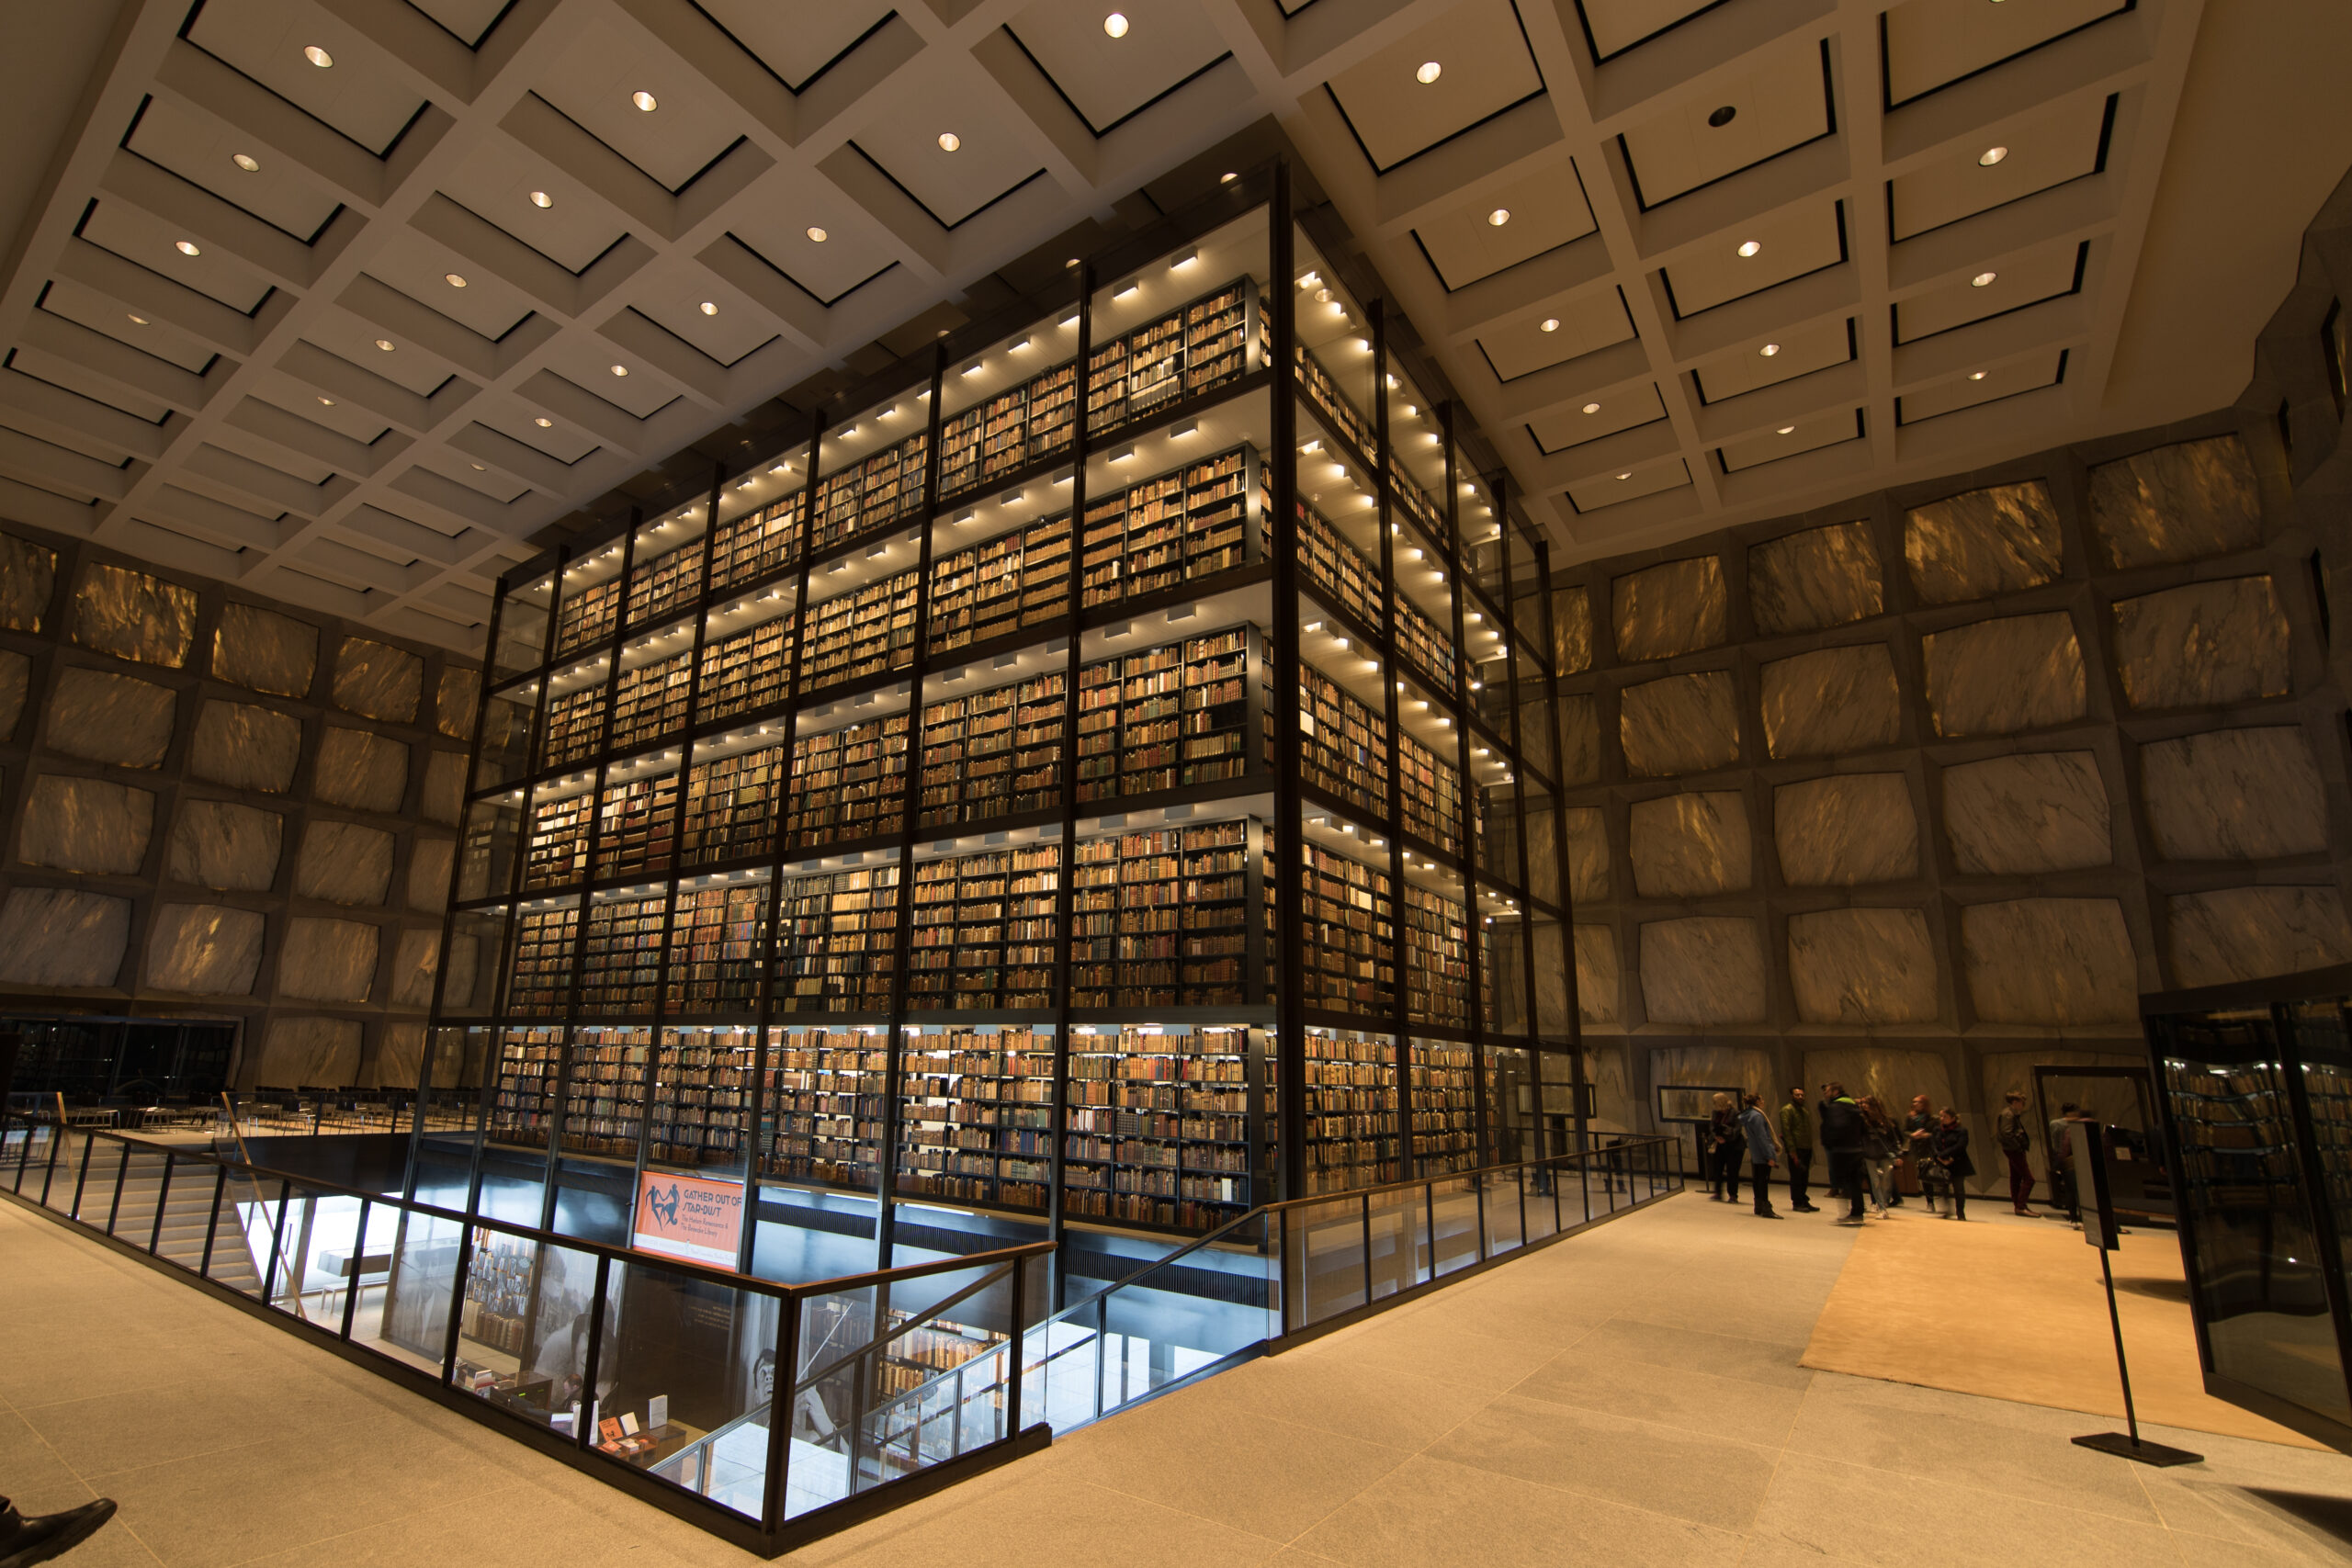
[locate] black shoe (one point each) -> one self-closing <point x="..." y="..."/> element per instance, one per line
<point x="1770" y="1214"/>
<point x="1805" y="1207"/>
<point x="25" y="1542"/>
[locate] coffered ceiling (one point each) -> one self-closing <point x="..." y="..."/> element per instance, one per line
<point x="345" y="299"/>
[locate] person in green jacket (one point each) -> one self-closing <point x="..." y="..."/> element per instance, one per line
<point x="1797" y="1148"/>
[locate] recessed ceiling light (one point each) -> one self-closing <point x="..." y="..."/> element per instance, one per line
<point x="1227" y="177"/>
<point x="141" y="320"/>
<point x="1976" y="375"/>
<point x="949" y="141"/>
<point x="620" y="369"/>
<point x="544" y="422"/>
<point x="1749" y="247"/>
<point x="1115" y="23"/>
<point x="1722" y="116"/>
<point x="1769" y="350"/>
<point x="1498" y="217"/>
<point x="1592" y="407"/>
<point x="385" y="343"/>
<point x="1982" y="278"/>
<point x="1548" y="324"/>
<point x="1429" y="72"/>
<point x="317" y="56"/>
<point x="541" y="199"/>
<point x="1992" y="155"/>
<point x="246" y="161"/>
<point x="818" y="234"/>
<point x="480" y="467"/>
<point x="188" y="248"/>
<point x="644" y="100"/>
<point x="1627" y="475"/>
<point x="326" y="402"/>
<point x="454" y="279"/>
<point x="1788" y="430"/>
<point x="710" y="307"/>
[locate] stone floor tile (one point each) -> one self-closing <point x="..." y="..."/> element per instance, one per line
<point x="1707" y="1480"/>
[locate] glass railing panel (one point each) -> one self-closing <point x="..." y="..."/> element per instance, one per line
<point x="1327" y="1259"/>
<point x="685" y="1383"/>
<point x="1394" y="1224"/>
<point x="245" y="1240"/>
<point x="184" y="1210"/>
<point x="1545" y="1197"/>
<point x="99" y="1172"/>
<point x="406" y="1315"/>
<point x="1453" y="1225"/>
<point x="25" y="1150"/>
<point x="317" y="1256"/>
<point x="1506" y="1230"/>
<point x="525" y="1324"/>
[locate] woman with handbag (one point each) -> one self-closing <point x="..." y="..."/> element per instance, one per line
<point x="1948" y="1157"/>
<point x="1883" y="1145"/>
<point x="1726" y="1149"/>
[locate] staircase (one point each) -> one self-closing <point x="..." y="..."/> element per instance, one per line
<point x="125" y="1192"/>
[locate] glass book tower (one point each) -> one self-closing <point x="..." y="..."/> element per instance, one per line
<point x="1107" y="800"/>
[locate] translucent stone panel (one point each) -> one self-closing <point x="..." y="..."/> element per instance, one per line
<point x="132" y="615"/>
<point x="445" y="788"/>
<point x="1706" y="970"/>
<point x="1999" y="677"/>
<point x="110" y="718"/>
<point x="400" y="1057"/>
<point x="454" y="703"/>
<point x="1613" y="1106"/>
<point x="1982" y="543"/>
<point x="2201" y="645"/>
<point x="1683" y="724"/>
<point x="1830" y="702"/>
<point x="1845" y="831"/>
<point x="2181" y="502"/>
<point x="377" y="681"/>
<point x="1661" y="610"/>
<point x="1892" y="1075"/>
<point x="1731" y="1066"/>
<point x="1688" y="846"/>
<point x="2235" y="795"/>
<point x="1822" y="577"/>
<point x="56" y="937"/>
<point x="415" y="962"/>
<point x="1579" y="741"/>
<point x="1599" y="977"/>
<point x="87" y="824"/>
<point x="2025" y="815"/>
<point x="217" y="843"/>
<point x="1572" y="631"/>
<point x="429" y="861"/>
<point x="245" y="746"/>
<point x="27" y="576"/>
<point x="265" y="651"/>
<point x="204" y="949"/>
<point x="458" y="991"/>
<point x="1863" y="966"/>
<point x="362" y="771"/>
<point x="2050" y="960"/>
<point x="344" y="863"/>
<point x="2251" y="933"/>
<point x="1588" y="855"/>
<point x="327" y="960"/>
<point x="15" y="680"/>
<point x="319" y="1051"/>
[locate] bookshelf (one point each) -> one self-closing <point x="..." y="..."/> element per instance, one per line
<point x="1162" y="920"/>
<point x="1348" y="910"/>
<point x="1159" y="1125"/>
<point x="637" y="825"/>
<point x="575" y="727"/>
<point x="749" y="671"/>
<point x="989" y="592"/>
<point x="877" y="492"/>
<point x="1345" y="744"/>
<point x="730" y="806"/>
<point x="824" y="1091"/>
<point x="701" y="1108"/>
<point x="1192" y="524"/>
<point x="664" y="582"/>
<point x="975" y="1115"/>
<point x="864" y="632"/>
<point x="1175" y="716"/>
<point x="620" y="956"/>
<point x="1437" y="959"/>
<point x="846" y="783"/>
<point x="759" y="545"/>
<point x="718" y="938"/>
<point x="587" y="614"/>
<point x="603" y="1095"/>
<point x="1183" y="355"/>
<point x="836" y="941"/>
<point x="992" y="754"/>
<point x="1444" y="1099"/>
<point x="1350" y="1088"/>
<point x="992" y="440"/>
<point x="651" y="703"/>
<point x="522" y="1107"/>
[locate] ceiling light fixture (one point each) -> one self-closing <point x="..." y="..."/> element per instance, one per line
<point x="620" y="369"/>
<point x="1429" y="72"/>
<point x="1227" y="177"/>
<point x="317" y="56"/>
<point x="1788" y="430"/>
<point x="188" y="248"/>
<point x="1976" y="375"/>
<point x="455" y="280"/>
<point x="544" y="422"/>
<point x="818" y="234"/>
<point x="326" y="402"/>
<point x="1627" y="475"/>
<point x="710" y="307"/>
<point x="1769" y="350"/>
<point x="479" y="468"/>
<point x="1749" y="247"/>
<point x="541" y="199"/>
<point x="139" y="320"/>
<point x="1992" y="155"/>
<point x="1115" y="23"/>
<point x="246" y="161"/>
<point x="1982" y="278"/>
<point x="1548" y="324"/>
<point x="949" y="141"/>
<point x="1722" y="116"/>
<point x="1592" y="407"/>
<point x="385" y="343"/>
<point x="645" y="101"/>
<point x="1498" y="217"/>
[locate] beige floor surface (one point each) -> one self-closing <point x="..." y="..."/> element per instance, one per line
<point x="1635" y="1396"/>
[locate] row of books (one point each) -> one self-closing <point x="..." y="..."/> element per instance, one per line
<point x="1178" y="355"/>
<point x="994" y="754"/>
<point x="1343" y="743"/>
<point x="1170" y="716"/>
<point x="983" y="929"/>
<point x="1350" y="1110"/>
<point x="1194" y="523"/>
<point x="1348" y="910"/>
<point x="994" y="590"/>
<point x="1437" y="959"/>
<point x="877" y="492"/>
<point x="1170" y="918"/>
<point x="1024" y="424"/>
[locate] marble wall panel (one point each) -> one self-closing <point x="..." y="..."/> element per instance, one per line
<point x="2204" y="644"/>
<point x="217" y="843"/>
<point x="443" y="792"/>
<point x="318" y="1052"/>
<point x="132" y="615"/>
<point x="1588" y="855"/>
<point x="1579" y="741"/>
<point x="1889" y="1073"/>
<point x="416" y="960"/>
<point x="465" y="972"/>
<point x="1615" y="1108"/>
<point x="344" y="863"/>
<point x="1863" y="966"/>
<point x="360" y="770"/>
<point x="111" y="718"/>
<point x="1599" y="976"/>
<point x="2181" y="502"/>
<point x="400" y="1057"/>
<point x="377" y="681"/>
<point x="2252" y="933"/>
<point x="429" y="863"/>
<point x="1830" y="702"/>
<point x="265" y="651"/>
<point x="2235" y="795"/>
<point x="245" y="746"/>
<point x="2001" y="676"/>
<point x="1572" y="631"/>
<point x="1845" y="831"/>
<point x="1688" y="846"/>
<point x="454" y="703"/>
<point x="2050" y="960"/>
<point x="16" y="681"/>
<point x="1682" y="724"/>
<point x="58" y="937"/>
<point x="1715" y="1067"/>
<point x="327" y="960"/>
<point x="87" y="824"/>
<point x="1820" y="578"/>
<point x="27" y="576"/>
<point x="1551" y="981"/>
<point x="1984" y="542"/>
<point x="1676" y="608"/>
<point x="207" y="950"/>
<point x="2004" y="1070"/>
<point x="1708" y="969"/>
<point x="2025" y="815"/>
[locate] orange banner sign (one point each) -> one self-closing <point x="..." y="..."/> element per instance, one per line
<point x="690" y="1217"/>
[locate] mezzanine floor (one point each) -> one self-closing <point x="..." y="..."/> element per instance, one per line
<point x="1630" y="1396"/>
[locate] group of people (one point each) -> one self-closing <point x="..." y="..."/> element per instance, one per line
<point x="1868" y="1149"/>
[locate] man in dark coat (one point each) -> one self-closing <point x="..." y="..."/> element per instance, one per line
<point x="1842" y="1131"/>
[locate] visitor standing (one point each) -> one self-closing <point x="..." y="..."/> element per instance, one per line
<point x="2014" y="1134"/>
<point x="1841" y="1139"/>
<point x="1797" y="1148"/>
<point x="1725" y="1149"/>
<point x="1882" y="1144"/>
<point x="1755" y="1131"/>
<point x="1948" y="1153"/>
<point x="1918" y="1128"/>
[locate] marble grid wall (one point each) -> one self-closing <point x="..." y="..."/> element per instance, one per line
<point x="1923" y="789"/>
<point x="219" y="807"/>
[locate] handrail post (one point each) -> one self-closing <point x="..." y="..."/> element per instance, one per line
<point x="163" y="1197"/>
<point x="82" y="1177"/>
<point x="780" y="1409"/>
<point x="584" y="1419"/>
<point x="354" y="1264"/>
<point x="456" y="1324"/>
<point x="121" y="1175"/>
<point x="276" y="1240"/>
<point x="1102" y="1351"/>
<point x="1020" y="1330"/>
<point x="48" y="1176"/>
<point x="213" y="1224"/>
<point x="1364" y="1208"/>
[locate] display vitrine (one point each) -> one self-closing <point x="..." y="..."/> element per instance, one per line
<point x="1099" y="772"/>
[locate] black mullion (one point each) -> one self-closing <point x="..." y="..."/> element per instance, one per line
<point x="1473" y="921"/>
<point x="1500" y="497"/>
<point x="2323" y="1231"/>
<point x="1066" y="872"/>
<point x="1578" y="1089"/>
<point x="1289" y="912"/>
<point x="1399" y="941"/>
